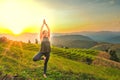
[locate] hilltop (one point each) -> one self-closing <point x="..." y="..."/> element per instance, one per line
<point x="73" y="41"/>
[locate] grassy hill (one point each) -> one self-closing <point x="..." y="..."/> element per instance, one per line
<point x="106" y="46"/>
<point x="64" y="64"/>
<point x="73" y="41"/>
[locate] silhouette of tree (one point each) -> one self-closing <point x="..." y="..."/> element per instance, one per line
<point x="113" y="55"/>
<point x="3" y="39"/>
<point x="66" y="47"/>
<point x="89" y="61"/>
<point x="29" y="41"/>
<point x="36" y="41"/>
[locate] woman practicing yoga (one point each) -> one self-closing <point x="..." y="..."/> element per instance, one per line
<point x="45" y="47"/>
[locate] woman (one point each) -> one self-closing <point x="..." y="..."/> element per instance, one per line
<point x="45" y="47"/>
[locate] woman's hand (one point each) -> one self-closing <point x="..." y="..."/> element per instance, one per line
<point x="44" y="22"/>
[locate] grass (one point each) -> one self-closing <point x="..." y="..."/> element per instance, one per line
<point x="83" y="55"/>
<point x="17" y="61"/>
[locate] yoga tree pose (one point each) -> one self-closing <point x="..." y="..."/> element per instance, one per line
<point x="45" y="47"/>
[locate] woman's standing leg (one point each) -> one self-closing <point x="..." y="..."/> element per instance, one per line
<point x="46" y="61"/>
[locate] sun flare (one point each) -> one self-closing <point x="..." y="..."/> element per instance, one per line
<point x="16" y="31"/>
<point x="16" y="16"/>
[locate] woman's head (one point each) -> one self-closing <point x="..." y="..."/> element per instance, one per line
<point x="45" y="33"/>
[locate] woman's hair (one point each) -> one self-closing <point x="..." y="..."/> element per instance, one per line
<point x="44" y="31"/>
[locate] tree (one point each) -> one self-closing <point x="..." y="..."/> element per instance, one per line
<point x="113" y="55"/>
<point x="29" y="41"/>
<point x="36" y="41"/>
<point x="3" y="39"/>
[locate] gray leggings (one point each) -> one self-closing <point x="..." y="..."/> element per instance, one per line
<point x="38" y="57"/>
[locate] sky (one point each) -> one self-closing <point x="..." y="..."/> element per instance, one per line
<point x="62" y="16"/>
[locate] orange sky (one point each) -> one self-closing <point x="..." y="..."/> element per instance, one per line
<point x="17" y="16"/>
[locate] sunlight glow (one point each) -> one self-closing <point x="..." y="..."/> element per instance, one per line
<point x="17" y="15"/>
<point x="17" y="31"/>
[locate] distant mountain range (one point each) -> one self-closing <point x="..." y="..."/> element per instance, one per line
<point x="102" y="36"/>
<point x="115" y="39"/>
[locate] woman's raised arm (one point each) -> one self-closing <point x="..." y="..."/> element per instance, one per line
<point x="47" y="28"/>
<point x="41" y="31"/>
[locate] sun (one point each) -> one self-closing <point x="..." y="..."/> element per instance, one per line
<point x="16" y="31"/>
<point x="17" y="15"/>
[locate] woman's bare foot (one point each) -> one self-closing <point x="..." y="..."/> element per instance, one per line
<point x="44" y="75"/>
<point x="44" y="58"/>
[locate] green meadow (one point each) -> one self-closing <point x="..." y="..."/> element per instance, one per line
<point x="64" y="64"/>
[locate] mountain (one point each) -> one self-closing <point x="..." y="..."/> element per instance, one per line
<point x="73" y="37"/>
<point x="115" y="39"/>
<point x="73" y="41"/>
<point x="101" y="36"/>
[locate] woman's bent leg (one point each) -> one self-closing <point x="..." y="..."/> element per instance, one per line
<point x="37" y="56"/>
